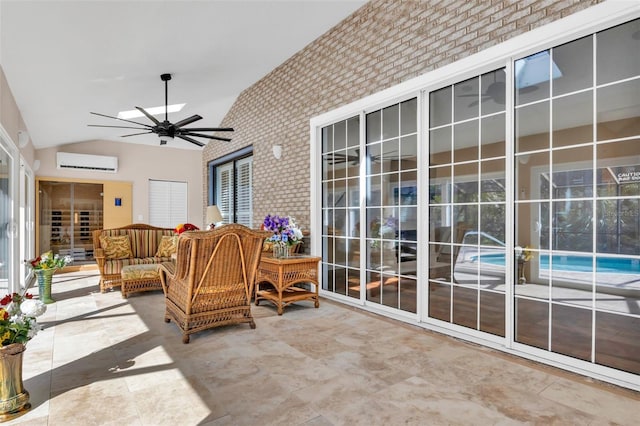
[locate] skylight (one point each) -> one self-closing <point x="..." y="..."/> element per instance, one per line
<point x="159" y="110"/>
<point x="534" y="69"/>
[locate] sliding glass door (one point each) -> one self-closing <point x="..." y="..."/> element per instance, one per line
<point x="530" y="171"/>
<point x="577" y="203"/>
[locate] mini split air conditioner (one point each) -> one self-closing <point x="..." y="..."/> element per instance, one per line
<point x="100" y="163"/>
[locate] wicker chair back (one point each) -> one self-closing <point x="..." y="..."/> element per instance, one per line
<point x="211" y="283"/>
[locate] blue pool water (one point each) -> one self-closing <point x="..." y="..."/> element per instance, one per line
<point x="574" y="263"/>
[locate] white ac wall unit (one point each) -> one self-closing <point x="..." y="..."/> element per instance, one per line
<point x="100" y="163"/>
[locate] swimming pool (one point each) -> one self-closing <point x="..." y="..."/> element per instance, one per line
<point x="573" y="263"/>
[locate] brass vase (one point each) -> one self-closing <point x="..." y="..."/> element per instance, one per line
<point x="44" y="277"/>
<point x="14" y="399"/>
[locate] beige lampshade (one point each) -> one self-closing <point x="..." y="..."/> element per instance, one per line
<point x="213" y="215"/>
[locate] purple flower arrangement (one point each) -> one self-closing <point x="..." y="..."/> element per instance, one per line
<point x="285" y="231"/>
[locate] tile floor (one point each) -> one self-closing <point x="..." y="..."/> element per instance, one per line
<point x="105" y="360"/>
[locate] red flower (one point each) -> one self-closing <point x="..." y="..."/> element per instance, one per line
<point x="186" y="227"/>
<point x="36" y="261"/>
<point x="28" y="296"/>
<point x="6" y="300"/>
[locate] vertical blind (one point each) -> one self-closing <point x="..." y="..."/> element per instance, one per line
<point x="224" y="191"/>
<point x="244" y="185"/>
<point x="167" y="203"/>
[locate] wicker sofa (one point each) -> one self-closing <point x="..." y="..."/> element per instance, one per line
<point x="144" y="241"/>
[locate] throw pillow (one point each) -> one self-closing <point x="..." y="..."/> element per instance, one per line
<point x="116" y="247"/>
<point x="168" y="246"/>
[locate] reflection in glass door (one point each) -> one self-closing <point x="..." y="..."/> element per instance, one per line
<point x="341" y="208"/>
<point x="467" y="202"/>
<point x="388" y="254"/>
<point x="577" y="208"/>
<point x="391" y="206"/>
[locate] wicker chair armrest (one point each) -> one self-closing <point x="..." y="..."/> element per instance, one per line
<point x="98" y="255"/>
<point x="167" y="273"/>
<point x="168" y="268"/>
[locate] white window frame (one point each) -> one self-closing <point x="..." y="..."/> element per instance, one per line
<point x="27" y="220"/>
<point x="14" y="279"/>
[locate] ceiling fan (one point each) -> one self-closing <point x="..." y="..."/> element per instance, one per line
<point x="495" y="91"/>
<point x="354" y="159"/>
<point x="166" y="130"/>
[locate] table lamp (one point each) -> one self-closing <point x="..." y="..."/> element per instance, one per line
<point x="213" y="216"/>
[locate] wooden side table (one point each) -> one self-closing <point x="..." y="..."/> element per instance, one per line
<point x="283" y="275"/>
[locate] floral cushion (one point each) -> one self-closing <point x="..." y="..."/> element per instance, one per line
<point x="116" y="247"/>
<point x="168" y="246"/>
<point x="136" y="272"/>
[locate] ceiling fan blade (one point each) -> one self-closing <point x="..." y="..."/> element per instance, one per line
<point x="149" y="116"/>
<point x="188" y="120"/>
<point x="188" y="139"/>
<point x="116" y="127"/>
<point x="210" y="129"/>
<point x="202" y="135"/>
<point x="121" y="119"/>
<point x="136" y="134"/>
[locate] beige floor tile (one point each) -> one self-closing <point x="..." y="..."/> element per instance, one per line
<point x="105" y="360"/>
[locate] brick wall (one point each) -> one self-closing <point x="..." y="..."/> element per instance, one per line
<point x="382" y="44"/>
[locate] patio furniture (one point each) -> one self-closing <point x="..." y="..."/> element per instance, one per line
<point x="135" y="244"/>
<point x="282" y="275"/>
<point x="140" y="278"/>
<point x="444" y="259"/>
<point x="212" y="280"/>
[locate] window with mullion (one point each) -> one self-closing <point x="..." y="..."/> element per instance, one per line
<point x="232" y="187"/>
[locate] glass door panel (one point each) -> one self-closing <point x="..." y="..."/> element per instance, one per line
<point x="341" y="229"/>
<point x="467" y="214"/>
<point x="392" y="205"/>
<point x="6" y="214"/>
<point x="577" y="212"/>
<point x="69" y="212"/>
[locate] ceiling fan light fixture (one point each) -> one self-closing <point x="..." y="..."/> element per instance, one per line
<point x="164" y="139"/>
<point x="134" y="113"/>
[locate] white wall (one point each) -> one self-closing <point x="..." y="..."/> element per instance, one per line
<point x="11" y="119"/>
<point x="136" y="164"/>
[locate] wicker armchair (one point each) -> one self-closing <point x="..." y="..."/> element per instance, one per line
<point x="212" y="280"/>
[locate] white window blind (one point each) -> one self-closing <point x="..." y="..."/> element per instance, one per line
<point x="233" y="185"/>
<point x="167" y="203"/>
<point x="224" y="191"/>
<point x="244" y="191"/>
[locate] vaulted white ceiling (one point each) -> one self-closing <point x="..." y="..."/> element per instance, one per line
<point x="64" y="59"/>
